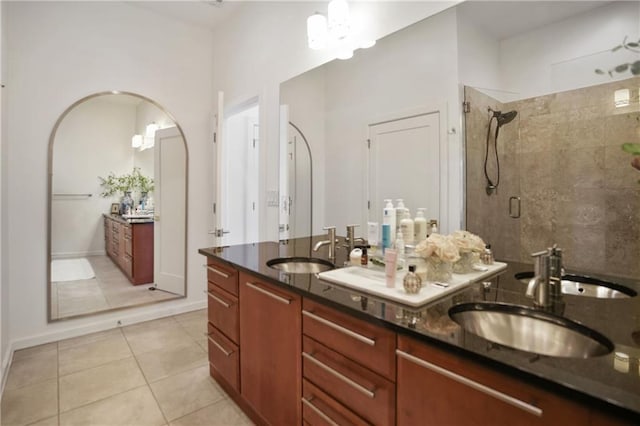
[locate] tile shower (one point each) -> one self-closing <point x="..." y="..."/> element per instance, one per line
<point x="562" y="156"/>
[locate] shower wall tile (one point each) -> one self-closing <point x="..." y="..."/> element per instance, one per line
<point x="576" y="184"/>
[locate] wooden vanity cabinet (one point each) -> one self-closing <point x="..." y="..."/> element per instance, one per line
<point x="438" y="387"/>
<point x="224" y="323"/>
<point x="270" y="342"/>
<point x="130" y="246"/>
<point x="352" y="362"/>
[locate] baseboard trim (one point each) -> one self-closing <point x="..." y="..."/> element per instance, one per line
<point x="114" y="320"/>
<point x="7" y="359"/>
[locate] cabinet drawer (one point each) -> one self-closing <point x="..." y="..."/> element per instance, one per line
<point x="223" y="312"/>
<point x="368" y="344"/>
<point x="368" y="394"/>
<point x="318" y="408"/>
<point x="223" y="276"/>
<point x="224" y="357"/>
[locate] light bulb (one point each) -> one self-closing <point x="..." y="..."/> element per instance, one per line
<point x="317" y="31"/>
<point x="136" y="141"/>
<point x="339" y="18"/>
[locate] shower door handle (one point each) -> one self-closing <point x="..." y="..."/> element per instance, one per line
<point x="514" y="207"/>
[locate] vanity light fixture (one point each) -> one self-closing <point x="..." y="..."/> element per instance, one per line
<point x="136" y="141"/>
<point x="149" y="136"/>
<point x="621" y="98"/>
<point x="336" y="32"/>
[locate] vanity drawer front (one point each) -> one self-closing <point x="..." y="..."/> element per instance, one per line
<point x="366" y="393"/>
<point x="224" y="357"/>
<point x="223" y="311"/>
<point x="368" y="344"/>
<point x="223" y="276"/>
<point x="318" y="408"/>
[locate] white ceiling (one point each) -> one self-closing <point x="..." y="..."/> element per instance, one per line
<point x="206" y="14"/>
<point x="501" y="19"/>
<point x="504" y="19"/>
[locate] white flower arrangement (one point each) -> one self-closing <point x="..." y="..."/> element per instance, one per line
<point x="439" y="247"/>
<point x="468" y="242"/>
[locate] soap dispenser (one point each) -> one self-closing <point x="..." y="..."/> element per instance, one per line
<point x="420" y="226"/>
<point x="407" y="227"/>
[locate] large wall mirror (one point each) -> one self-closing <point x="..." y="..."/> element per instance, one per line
<point x="117" y="206"/>
<point x="564" y="177"/>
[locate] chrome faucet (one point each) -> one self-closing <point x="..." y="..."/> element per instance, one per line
<point x="351" y="238"/>
<point x="331" y="242"/>
<point x="546" y="285"/>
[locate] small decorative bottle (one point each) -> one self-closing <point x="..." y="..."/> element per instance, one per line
<point x="412" y="283"/>
<point x="487" y="256"/>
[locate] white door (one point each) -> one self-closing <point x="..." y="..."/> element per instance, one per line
<point x="169" y="231"/>
<point x="239" y="166"/>
<point x="404" y="162"/>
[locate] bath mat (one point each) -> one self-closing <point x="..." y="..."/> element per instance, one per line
<point x="71" y="270"/>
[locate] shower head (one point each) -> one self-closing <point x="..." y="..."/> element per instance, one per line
<point x="505" y="118"/>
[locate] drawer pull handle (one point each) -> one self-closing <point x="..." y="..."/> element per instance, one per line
<point x="531" y="409"/>
<point x="340" y="328"/>
<point x="340" y="376"/>
<point x="219" y="346"/>
<point x="217" y="271"/>
<point x="319" y="412"/>
<point x="217" y="299"/>
<point x="268" y="293"/>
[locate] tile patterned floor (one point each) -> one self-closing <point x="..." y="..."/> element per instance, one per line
<point x="110" y="288"/>
<point x="152" y="373"/>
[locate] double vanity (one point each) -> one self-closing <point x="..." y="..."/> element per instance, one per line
<point x="292" y="348"/>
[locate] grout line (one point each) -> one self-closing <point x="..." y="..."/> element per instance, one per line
<point x="164" y="416"/>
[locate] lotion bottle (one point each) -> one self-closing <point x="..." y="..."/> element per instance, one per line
<point x="407" y="227"/>
<point x="388" y="224"/>
<point x="420" y="226"/>
<point x="400" y="209"/>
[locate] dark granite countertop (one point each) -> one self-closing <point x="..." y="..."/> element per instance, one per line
<point x="595" y="380"/>
<point x="129" y="221"/>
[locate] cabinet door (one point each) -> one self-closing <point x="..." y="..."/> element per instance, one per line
<point x="436" y="387"/>
<point x="270" y="342"/>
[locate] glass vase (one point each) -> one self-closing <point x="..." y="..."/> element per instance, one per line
<point x="126" y="205"/>
<point x="438" y="270"/>
<point x="466" y="262"/>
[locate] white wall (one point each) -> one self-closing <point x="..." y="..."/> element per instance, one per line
<point x="94" y="139"/>
<point x="562" y="56"/>
<point x="414" y="70"/>
<point x="4" y="287"/>
<point x="59" y="52"/>
<point x="279" y="28"/>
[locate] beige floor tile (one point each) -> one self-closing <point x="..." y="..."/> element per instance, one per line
<point x="51" y="421"/>
<point x="155" y="335"/>
<point x="222" y="413"/>
<point x="186" y="392"/>
<point x="196" y="327"/>
<point x="68" y="306"/>
<point x="89" y="338"/>
<point x="29" y="403"/>
<point x="36" y="368"/>
<point x="98" y="383"/>
<point x="34" y="350"/>
<point x="78" y="358"/>
<point x="136" y="407"/>
<point x="166" y="362"/>
<point x="200" y="314"/>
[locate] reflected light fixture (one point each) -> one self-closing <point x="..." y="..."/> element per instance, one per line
<point x="149" y="136"/>
<point x="335" y="32"/>
<point x="136" y="141"/>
